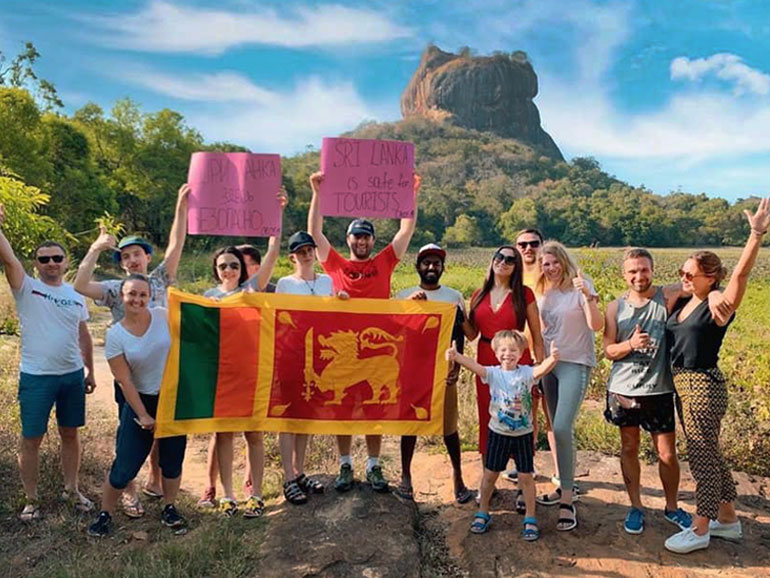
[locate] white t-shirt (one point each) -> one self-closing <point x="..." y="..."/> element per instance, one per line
<point x="217" y="293"/>
<point x="159" y="280"/>
<point x="50" y="319"/>
<point x="564" y="322"/>
<point x="443" y="293"/>
<point x="505" y="388"/>
<point x="146" y="355"/>
<point x="322" y="286"/>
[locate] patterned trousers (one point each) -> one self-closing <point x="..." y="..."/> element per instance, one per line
<point x="702" y="397"/>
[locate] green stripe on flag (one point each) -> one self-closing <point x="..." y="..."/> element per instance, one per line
<point x="198" y="362"/>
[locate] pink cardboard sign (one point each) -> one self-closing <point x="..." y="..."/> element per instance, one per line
<point x="234" y="194"/>
<point x="367" y="178"/>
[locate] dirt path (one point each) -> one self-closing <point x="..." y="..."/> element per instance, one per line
<point x="438" y="528"/>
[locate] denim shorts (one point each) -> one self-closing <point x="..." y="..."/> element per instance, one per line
<point x="39" y="393"/>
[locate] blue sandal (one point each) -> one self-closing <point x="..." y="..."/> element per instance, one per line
<point x="481" y="522"/>
<point x="530" y="534"/>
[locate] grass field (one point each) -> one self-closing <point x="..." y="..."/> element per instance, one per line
<point x="59" y="548"/>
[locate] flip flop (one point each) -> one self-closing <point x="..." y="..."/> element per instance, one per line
<point x="30" y="512"/>
<point x="133" y="508"/>
<point x="404" y="493"/>
<point x="151" y="493"/>
<point x="464" y="495"/>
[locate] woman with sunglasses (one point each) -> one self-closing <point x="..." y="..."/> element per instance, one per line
<point x="570" y="314"/>
<point x="695" y="338"/>
<point x="503" y="302"/>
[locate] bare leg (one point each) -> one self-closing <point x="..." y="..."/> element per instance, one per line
<point x="629" y="464"/>
<point x="154" y="483"/>
<point x="452" y="443"/>
<point x="527" y="485"/>
<point x="727" y="514"/>
<point x="29" y="457"/>
<point x="373" y="445"/>
<point x="487" y="487"/>
<point x="344" y="443"/>
<point x="668" y="466"/>
<point x="212" y="463"/>
<point x="225" y="459"/>
<point x="408" y="443"/>
<point x="256" y="451"/>
<point x="110" y="496"/>
<point x="300" y="449"/>
<point x="170" y="489"/>
<point x="286" y="446"/>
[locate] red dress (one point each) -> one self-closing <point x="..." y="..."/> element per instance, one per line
<point x="488" y="323"/>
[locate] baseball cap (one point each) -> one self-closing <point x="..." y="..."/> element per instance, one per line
<point x="127" y="242"/>
<point x="300" y="239"/>
<point x="361" y="227"/>
<point x="430" y="249"/>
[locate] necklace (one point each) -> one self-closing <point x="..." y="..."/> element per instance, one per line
<point x="310" y="287"/>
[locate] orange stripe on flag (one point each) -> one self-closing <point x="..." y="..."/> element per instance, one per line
<point x="238" y="350"/>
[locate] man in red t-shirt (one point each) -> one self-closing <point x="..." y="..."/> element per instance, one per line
<point x="360" y="276"/>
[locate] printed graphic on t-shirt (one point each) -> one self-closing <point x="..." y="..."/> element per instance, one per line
<point x="58" y="301"/>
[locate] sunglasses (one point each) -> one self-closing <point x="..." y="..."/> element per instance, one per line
<point x="507" y="259"/>
<point x="523" y="244"/>
<point x="233" y="265"/>
<point x="44" y="259"/>
<point x="689" y="276"/>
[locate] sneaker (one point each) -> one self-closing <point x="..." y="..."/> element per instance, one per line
<point x="101" y="526"/>
<point x="511" y="475"/>
<point x="634" y="523"/>
<point x="208" y="498"/>
<point x="228" y="507"/>
<point x="77" y="500"/>
<point x="687" y="541"/>
<point x="732" y="532"/>
<point x="171" y="518"/>
<point x="344" y="481"/>
<point x="678" y="517"/>
<point x="254" y="507"/>
<point x="376" y="479"/>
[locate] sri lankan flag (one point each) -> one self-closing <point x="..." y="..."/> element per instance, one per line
<point x="267" y="362"/>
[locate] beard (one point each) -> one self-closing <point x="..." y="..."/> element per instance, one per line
<point x="361" y="252"/>
<point x="429" y="277"/>
<point x="642" y="287"/>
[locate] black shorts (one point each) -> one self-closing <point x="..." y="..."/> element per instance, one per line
<point x="655" y="413"/>
<point x="501" y="448"/>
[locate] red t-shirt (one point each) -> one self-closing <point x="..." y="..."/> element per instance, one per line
<point x="370" y="278"/>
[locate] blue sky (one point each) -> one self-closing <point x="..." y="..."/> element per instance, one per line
<point x="669" y="94"/>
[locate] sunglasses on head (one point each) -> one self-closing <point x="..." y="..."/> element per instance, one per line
<point x="507" y="259"/>
<point x="689" y="276"/>
<point x="523" y="244"/>
<point x="43" y="259"/>
<point x="231" y="264"/>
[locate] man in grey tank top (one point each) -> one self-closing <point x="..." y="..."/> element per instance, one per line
<point x="640" y="391"/>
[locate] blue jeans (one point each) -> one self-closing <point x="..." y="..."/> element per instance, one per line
<point x="134" y="445"/>
<point x="564" y="389"/>
<point x="39" y="393"/>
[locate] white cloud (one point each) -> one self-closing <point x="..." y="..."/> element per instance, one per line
<point x="227" y="106"/>
<point x="166" y="27"/>
<point x="724" y="66"/>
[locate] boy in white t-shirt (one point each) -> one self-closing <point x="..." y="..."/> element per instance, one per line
<point x="510" y="421"/>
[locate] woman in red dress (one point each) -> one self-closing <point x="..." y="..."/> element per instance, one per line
<point x="503" y="302"/>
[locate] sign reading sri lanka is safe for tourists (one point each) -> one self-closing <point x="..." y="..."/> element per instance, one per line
<point x="267" y="362"/>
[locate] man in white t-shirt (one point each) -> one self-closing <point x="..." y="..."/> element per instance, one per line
<point x="55" y="347"/>
<point x="430" y="267"/>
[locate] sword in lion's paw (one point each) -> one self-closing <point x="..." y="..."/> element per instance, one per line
<point x="310" y="375"/>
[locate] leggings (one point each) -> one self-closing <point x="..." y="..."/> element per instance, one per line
<point x="702" y="397"/>
<point x="564" y="389"/>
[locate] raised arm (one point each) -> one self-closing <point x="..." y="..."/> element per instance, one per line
<point x="122" y="374"/>
<point x="315" y="221"/>
<point x="83" y="280"/>
<point x="759" y="222"/>
<point x="178" y="233"/>
<point x="469" y="363"/>
<point x="590" y="306"/>
<point x="87" y="352"/>
<point x="14" y="271"/>
<point x="406" y="229"/>
<point x="273" y="249"/>
<point x="548" y="364"/>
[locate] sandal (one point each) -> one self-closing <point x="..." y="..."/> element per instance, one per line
<point x="530" y="534"/>
<point x="464" y="495"/>
<point x="149" y="492"/>
<point x="254" y="508"/>
<point x="521" y="506"/>
<point x="566" y="524"/>
<point x="309" y="485"/>
<point x="30" y="512"/>
<point x="77" y="501"/>
<point x="293" y="493"/>
<point x="132" y="507"/>
<point x="481" y="522"/>
<point x="404" y="493"/>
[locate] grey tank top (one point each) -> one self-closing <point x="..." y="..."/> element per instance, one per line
<point x="642" y="372"/>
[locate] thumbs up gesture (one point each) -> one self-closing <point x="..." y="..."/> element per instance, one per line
<point x="639" y="339"/>
<point x="451" y="353"/>
<point x="104" y="241"/>
<point x="580" y="284"/>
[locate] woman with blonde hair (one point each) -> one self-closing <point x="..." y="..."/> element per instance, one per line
<point x="570" y="315"/>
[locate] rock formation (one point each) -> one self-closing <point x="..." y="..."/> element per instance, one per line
<point x="485" y="93"/>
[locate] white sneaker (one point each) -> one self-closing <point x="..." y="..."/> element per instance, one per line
<point x="732" y="532"/>
<point x="687" y="541"/>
